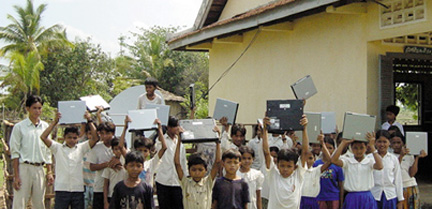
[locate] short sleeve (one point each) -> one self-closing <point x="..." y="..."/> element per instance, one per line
<point x="84" y="147"/>
<point x="317" y="171"/>
<point x="115" y="198"/>
<point x="344" y="161"/>
<point x="92" y="158"/>
<point x="183" y="182"/>
<point x="106" y="173"/>
<point x="54" y="146"/>
<point x="259" y="180"/>
<point x="371" y="162"/>
<point x="215" y="194"/>
<point x="340" y="174"/>
<point x="148" y="196"/>
<point x="245" y="192"/>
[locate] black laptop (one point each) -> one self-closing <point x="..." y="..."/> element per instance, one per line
<point x="285" y="115"/>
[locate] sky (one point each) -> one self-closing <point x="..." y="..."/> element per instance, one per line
<point x="106" y="20"/>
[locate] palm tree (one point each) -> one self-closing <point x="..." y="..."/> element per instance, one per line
<point x="26" y="34"/>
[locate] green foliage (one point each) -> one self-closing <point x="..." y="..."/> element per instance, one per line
<point x="408" y="95"/>
<point x="201" y="109"/>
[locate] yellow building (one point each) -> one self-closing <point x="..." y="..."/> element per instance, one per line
<point x="354" y="50"/>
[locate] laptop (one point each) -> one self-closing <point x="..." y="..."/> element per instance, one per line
<point x="192" y="96"/>
<point x="416" y="142"/>
<point x="304" y="88"/>
<point x="357" y="125"/>
<point x="72" y="112"/>
<point x="328" y="122"/>
<point x="199" y="130"/>
<point x="285" y="115"/>
<point x="313" y="127"/>
<point x="142" y="120"/>
<point x="162" y="112"/>
<point x="93" y="101"/>
<point x="225" y="108"/>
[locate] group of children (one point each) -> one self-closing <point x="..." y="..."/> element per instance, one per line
<point x="270" y="171"/>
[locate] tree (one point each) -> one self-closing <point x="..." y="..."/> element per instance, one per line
<point x="26" y="34"/>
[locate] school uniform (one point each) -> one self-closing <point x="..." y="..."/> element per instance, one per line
<point x="328" y="196"/>
<point x="388" y="187"/>
<point x="254" y="178"/>
<point x="256" y="145"/>
<point x="410" y="189"/>
<point x="150" y="167"/>
<point x="88" y="177"/>
<point x="197" y="195"/>
<point x="114" y="177"/>
<point x="386" y="126"/>
<point x="275" y="141"/>
<point x="311" y="188"/>
<point x="358" y="183"/>
<point x="226" y="144"/>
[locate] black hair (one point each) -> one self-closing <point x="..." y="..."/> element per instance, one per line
<point x="115" y="142"/>
<point x="231" y="154"/>
<point x="287" y="155"/>
<point x="71" y="130"/>
<point x="398" y="134"/>
<point x="151" y="81"/>
<point x="143" y="142"/>
<point x="134" y="156"/>
<point x="339" y="138"/>
<point x="33" y="99"/>
<point x="87" y="127"/>
<point x="173" y="121"/>
<point x="329" y="140"/>
<point x="359" y="142"/>
<point x="274" y="149"/>
<point x="393" y="108"/>
<point x="382" y="133"/>
<point x="394" y="128"/>
<point x="106" y="126"/>
<point x="238" y="127"/>
<point x="245" y="149"/>
<point x="196" y="159"/>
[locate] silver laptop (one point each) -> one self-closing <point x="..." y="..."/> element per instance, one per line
<point x="357" y="125"/>
<point x="225" y="108"/>
<point x="192" y="95"/>
<point x="304" y="88"/>
<point x="313" y="127"/>
<point x="198" y="130"/>
<point x="162" y="112"/>
<point x="72" y="112"/>
<point x="142" y="120"/>
<point x="328" y="122"/>
<point x="416" y="142"/>
<point x="93" y="101"/>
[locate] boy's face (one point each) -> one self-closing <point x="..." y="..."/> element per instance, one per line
<point x="246" y="160"/>
<point x="150" y="89"/>
<point x="390" y="116"/>
<point x="316" y="149"/>
<point x="310" y="159"/>
<point x="35" y="110"/>
<point x="173" y="130"/>
<point x="358" y="149"/>
<point x="144" y="151"/>
<point x="286" y="168"/>
<point x="197" y="172"/>
<point x="117" y="151"/>
<point x="397" y="144"/>
<point x="238" y="138"/>
<point x="382" y="144"/>
<point x="106" y="136"/>
<point x="330" y="148"/>
<point x="134" y="169"/>
<point x="71" y="139"/>
<point x="231" y="165"/>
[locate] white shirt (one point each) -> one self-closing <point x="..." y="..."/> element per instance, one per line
<point x="114" y="177"/>
<point x="288" y="143"/>
<point x="143" y="100"/>
<point x="388" y="179"/>
<point x="285" y="192"/>
<point x="150" y="166"/>
<point x="275" y="141"/>
<point x="226" y="144"/>
<point x="256" y="145"/>
<point x="69" y="166"/>
<point x="166" y="174"/>
<point x="100" y="154"/>
<point x="407" y="162"/>
<point x="387" y="125"/>
<point x="254" y="179"/>
<point x="311" y="185"/>
<point x="358" y="175"/>
<point x="25" y="142"/>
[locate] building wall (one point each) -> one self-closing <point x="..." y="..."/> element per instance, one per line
<point x="235" y="7"/>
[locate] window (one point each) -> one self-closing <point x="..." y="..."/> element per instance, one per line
<point x="401" y="12"/>
<point x="408" y="97"/>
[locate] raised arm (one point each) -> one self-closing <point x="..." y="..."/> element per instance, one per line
<point x="123" y="135"/>
<point x="414" y="168"/>
<point x="95" y="137"/>
<point x="326" y="153"/>
<point x="161" y="139"/>
<point x="218" y="159"/>
<point x="378" y="160"/>
<point x="177" y="158"/>
<point x="335" y="158"/>
<point x="265" y="143"/>
<point x="47" y="141"/>
<point x="98" y="114"/>
<point x="305" y="142"/>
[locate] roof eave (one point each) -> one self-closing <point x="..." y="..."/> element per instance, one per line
<point x="250" y="22"/>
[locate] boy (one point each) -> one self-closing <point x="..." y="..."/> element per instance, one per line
<point x="238" y="133"/>
<point x="168" y="186"/>
<point x="88" y="175"/>
<point x="286" y="178"/>
<point x="151" y="84"/>
<point x="69" y="190"/>
<point x="231" y="184"/>
<point x="132" y="193"/>
<point x="100" y="158"/>
<point x="391" y="112"/>
<point x="197" y="189"/>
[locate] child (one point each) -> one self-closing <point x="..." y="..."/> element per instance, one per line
<point x="238" y="133"/>
<point x="69" y="190"/>
<point x="254" y="178"/>
<point x="88" y="175"/>
<point x="391" y="112"/>
<point x="311" y="185"/>
<point x="151" y="84"/>
<point x="317" y="150"/>
<point x="286" y="177"/>
<point x="331" y="183"/>
<point x="409" y="167"/>
<point x="230" y="191"/>
<point x="197" y="189"/>
<point x="256" y="145"/>
<point x="167" y="183"/>
<point x="101" y="157"/>
<point x="358" y="172"/>
<point x="132" y="192"/>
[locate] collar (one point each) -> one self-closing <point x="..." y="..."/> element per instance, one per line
<point x="65" y="145"/>
<point x="200" y="183"/>
<point x="30" y="123"/>
<point x="352" y="160"/>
